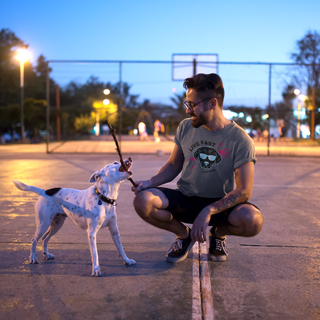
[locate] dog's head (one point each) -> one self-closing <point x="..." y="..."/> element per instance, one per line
<point x="113" y="172"/>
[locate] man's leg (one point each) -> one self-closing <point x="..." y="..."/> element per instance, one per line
<point x="245" y="221"/>
<point x="150" y="205"/>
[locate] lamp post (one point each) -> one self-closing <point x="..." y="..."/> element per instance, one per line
<point x="301" y="97"/>
<point x="98" y="106"/>
<point x="23" y="56"/>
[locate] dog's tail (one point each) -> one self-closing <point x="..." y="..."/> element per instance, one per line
<point x="25" y="187"/>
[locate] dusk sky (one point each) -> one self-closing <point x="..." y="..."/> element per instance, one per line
<point x="238" y="31"/>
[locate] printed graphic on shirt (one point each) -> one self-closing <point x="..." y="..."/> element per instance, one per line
<point x="208" y="157"/>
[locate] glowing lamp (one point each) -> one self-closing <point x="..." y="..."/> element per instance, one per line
<point x="23" y="55"/>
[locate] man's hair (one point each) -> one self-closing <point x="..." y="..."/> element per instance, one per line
<point x="209" y="84"/>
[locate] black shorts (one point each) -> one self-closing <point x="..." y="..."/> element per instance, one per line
<point x="186" y="209"/>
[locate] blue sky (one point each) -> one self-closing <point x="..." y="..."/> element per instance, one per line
<point x="258" y="31"/>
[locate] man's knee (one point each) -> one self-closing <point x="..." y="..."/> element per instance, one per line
<point x="255" y="222"/>
<point x="142" y="203"/>
<point x="251" y="219"/>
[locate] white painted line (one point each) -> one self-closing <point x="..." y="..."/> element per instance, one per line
<point x="284" y="186"/>
<point x="205" y="284"/>
<point x="196" y="295"/>
<point x="202" y="304"/>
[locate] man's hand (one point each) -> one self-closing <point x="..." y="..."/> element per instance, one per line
<point x="141" y="185"/>
<point x="199" y="228"/>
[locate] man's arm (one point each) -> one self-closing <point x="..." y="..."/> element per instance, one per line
<point x="244" y="183"/>
<point x="166" y="173"/>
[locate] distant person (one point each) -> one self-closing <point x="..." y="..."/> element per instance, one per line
<point x="282" y="130"/>
<point x="158" y="127"/>
<point x="265" y="134"/>
<point x="212" y="154"/>
<point x="143" y="131"/>
<point x="258" y="134"/>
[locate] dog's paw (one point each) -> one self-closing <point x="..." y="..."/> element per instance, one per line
<point x="33" y="261"/>
<point x="48" y="256"/>
<point x="130" y="262"/>
<point x="96" y="273"/>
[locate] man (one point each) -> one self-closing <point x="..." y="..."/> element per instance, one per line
<point x="211" y="153"/>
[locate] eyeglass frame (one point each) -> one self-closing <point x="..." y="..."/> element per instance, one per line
<point x="187" y="105"/>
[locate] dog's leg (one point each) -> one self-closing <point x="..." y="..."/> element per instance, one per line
<point x="92" y="238"/>
<point x="56" y="224"/>
<point x="41" y="229"/>
<point x="114" y="231"/>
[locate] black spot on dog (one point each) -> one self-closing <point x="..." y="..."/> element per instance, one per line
<point x="51" y="192"/>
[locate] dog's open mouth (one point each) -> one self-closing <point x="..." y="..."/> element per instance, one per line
<point x="128" y="164"/>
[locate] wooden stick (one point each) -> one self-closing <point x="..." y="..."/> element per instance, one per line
<point x="119" y="151"/>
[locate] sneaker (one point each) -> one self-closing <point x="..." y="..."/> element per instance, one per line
<point x="180" y="249"/>
<point x="217" y="248"/>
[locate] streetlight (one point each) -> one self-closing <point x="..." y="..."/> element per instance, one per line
<point x="23" y="56"/>
<point x="97" y="106"/>
<point x="301" y="97"/>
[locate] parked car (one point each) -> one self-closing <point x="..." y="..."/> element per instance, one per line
<point x="7" y="137"/>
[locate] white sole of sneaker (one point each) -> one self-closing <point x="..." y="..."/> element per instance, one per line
<point x="217" y="258"/>
<point x="181" y="258"/>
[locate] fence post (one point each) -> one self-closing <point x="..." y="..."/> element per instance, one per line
<point x="313" y="127"/>
<point x="269" y="107"/>
<point x="120" y="103"/>
<point x="58" y="112"/>
<point x="48" y="105"/>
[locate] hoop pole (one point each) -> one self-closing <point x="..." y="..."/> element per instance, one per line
<point x="194" y="67"/>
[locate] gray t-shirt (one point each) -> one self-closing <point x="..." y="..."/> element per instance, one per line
<point x="211" y="157"/>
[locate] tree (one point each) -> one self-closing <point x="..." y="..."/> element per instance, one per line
<point x="34" y="87"/>
<point x="284" y="109"/>
<point x="254" y="113"/>
<point x="77" y="102"/>
<point x="308" y="58"/>
<point x="9" y="68"/>
<point x="178" y="100"/>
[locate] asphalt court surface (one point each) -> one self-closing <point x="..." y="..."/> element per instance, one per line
<point x="275" y="275"/>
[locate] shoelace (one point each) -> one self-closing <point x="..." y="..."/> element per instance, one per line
<point x="221" y="246"/>
<point x="177" y="245"/>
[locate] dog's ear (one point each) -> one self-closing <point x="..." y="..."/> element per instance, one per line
<point x="95" y="176"/>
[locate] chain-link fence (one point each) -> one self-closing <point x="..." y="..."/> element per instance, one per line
<point x="259" y="96"/>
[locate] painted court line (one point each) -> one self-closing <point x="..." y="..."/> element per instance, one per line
<point x="196" y="295"/>
<point x="202" y="304"/>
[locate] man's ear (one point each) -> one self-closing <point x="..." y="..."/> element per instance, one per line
<point x="95" y="176"/>
<point x="214" y="102"/>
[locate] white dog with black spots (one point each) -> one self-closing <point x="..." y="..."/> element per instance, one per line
<point x="90" y="209"/>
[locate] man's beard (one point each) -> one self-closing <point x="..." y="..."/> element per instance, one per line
<point x="199" y="120"/>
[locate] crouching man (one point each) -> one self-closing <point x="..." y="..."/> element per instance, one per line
<point x="211" y="153"/>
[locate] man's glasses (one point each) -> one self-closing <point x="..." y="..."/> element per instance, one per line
<point x="193" y="105"/>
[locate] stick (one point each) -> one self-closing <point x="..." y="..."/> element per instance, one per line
<point x="119" y="152"/>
